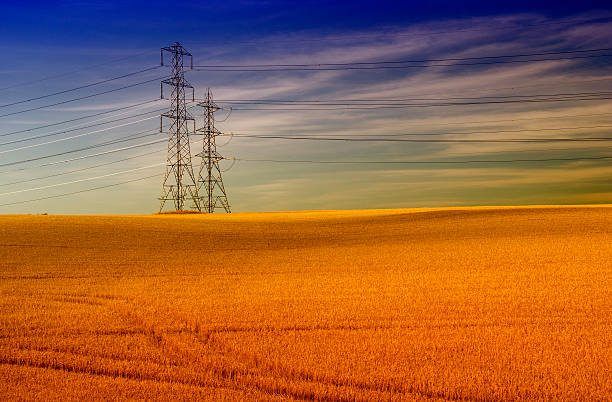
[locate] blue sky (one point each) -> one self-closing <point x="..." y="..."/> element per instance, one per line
<point x="79" y="42"/>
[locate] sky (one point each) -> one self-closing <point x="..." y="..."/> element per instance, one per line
<point x="71" y="144"/>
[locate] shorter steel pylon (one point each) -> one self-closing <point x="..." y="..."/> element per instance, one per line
<point x="210" y="183"/>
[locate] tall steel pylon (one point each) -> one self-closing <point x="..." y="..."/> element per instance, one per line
<point x="179" y="182"/>
<point x="210" y="183"/>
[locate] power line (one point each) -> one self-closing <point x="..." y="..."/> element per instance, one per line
<point x="76" y="136"/>
<point x="469" y="132"/>
<point x="81" y="98"/>
<point x="81" y="169"/>
<point x="129" y="138"/>
<point x="407" y="61"/>
<point x="425" y="162"/>
<point x="81" y="180"/>
<point x="520" y="119"/>
<point x="82" y="127"/>
<point x="550" y="84"/>
<point x="80" y="191"/>
<point x="509" y="140"/>
<point x="111" y="151"/>
<point x="379" y="100"/>
<point x="549" y="150"/>
<point x="263" y="101"/>
<point x="71" y="71"/>
<point x="79" y="87"/>
<point x="79" y="118"/>
<point x="425" y="105"/>
<point x="381" y="67"/>
<point x="410" y="102"/>
<point x="79" y="128"/>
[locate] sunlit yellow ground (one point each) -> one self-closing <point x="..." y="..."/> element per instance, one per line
<point x="459" y="303"/>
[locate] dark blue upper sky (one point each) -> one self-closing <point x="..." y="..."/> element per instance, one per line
<point x="123" y="24"/>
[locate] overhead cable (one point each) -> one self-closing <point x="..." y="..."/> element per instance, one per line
<point x="507" y="140"/>
<point x="81" y="169"/>
<point x="79" y="87"/>
<point x="425" y="105"/>
<point x="527" y="130"/>
<point x="53" y="133"/>
<point x="81" y="180"/>
<point x="381" y="67"/>
<point x="582" y="158"/>
<point x="82" y="97"/>
<point x="77" y="135"/>
<point x="79" y="118"/>
<point x="142" y="134"/>
<point x="81" y="191"/>
<point x="352" y="101"/>
<point x="409" y="61"/>
<point x="71" y="72"/>
<point x="111" y="151"/>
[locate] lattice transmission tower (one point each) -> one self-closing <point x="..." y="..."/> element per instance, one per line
<point x="179" y="184"/>
<point x="210" y="183"/>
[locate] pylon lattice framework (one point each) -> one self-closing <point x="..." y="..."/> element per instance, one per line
<point x="210" y="183"/>
<point x="179" y="183"/>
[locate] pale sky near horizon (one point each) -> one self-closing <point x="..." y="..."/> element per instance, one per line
<point x="53" y="39"/>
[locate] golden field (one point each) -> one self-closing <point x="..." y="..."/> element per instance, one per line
<point x="490" y="303"/>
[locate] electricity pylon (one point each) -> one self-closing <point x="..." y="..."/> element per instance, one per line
<point x="210" y="184"/>
<point x="179" y="182"/>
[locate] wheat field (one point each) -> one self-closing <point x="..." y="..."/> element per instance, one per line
<point x="488" y="303"/>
